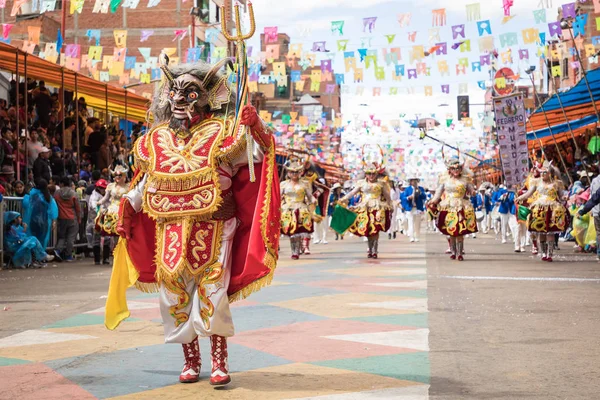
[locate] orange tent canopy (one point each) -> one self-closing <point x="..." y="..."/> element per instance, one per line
<point x="97" y="94"/>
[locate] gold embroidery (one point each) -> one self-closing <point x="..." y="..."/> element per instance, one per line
<point x="200" y="236"/>
<point x="199" y="200"/>
<point x="173" y="186"/>
<point x="185" y="159"/>
<point x="177" y="287"/>
<point x="173" y="238"/>
<point x="212" y="275"/>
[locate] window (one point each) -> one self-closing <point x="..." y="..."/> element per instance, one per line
<point x="282" y="92"/>
<point x="565" y="68"/>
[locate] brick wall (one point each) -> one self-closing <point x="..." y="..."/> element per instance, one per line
<point x="163" y="19"/>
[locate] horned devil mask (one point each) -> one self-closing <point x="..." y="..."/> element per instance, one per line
<point x="191" y="89"/>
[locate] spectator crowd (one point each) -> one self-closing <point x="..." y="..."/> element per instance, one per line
<point x="59" y="164"/>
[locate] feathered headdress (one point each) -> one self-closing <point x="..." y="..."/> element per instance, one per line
<point x="119" y="170"/>
<point x="544" y="167"/>
<point x="452" y="161"/>
<point x="373" y="167"/>
<point x="294" y="164"/>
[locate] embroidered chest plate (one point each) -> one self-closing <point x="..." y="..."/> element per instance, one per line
<point x="182" y="173"/>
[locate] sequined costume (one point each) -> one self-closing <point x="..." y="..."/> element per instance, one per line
<point x="548" y="214"/>
<point x="297" y="206"/>
<point x="373" y="211"/>
<point x="192" y="201"/>
<point x="451" y="204"/>
<point x="296" y="217"/>
<point x="108" y="216"/>
<point x="456" y="215"/>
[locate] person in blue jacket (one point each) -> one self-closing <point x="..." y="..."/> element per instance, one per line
<point x="477" y="202"/>
<point x="39" y="212"/>
<point x="506" y="202"/>
<point x="500" y="200"/>
<point x="488" y="208"/>
<point x="413" y="202"/>
<point x="26" y="250"/>
<point x="496" y="223"/>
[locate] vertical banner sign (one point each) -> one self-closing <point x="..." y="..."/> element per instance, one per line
<point x="512" y="138"/>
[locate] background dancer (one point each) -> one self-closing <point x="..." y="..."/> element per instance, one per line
<point x="548" y="214"/>
<point x="456" y="217"/>
<point x="374" y="208"/>
<point x="296" y="203"/>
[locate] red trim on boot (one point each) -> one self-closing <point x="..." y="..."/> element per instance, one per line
<point x="306" y="246"/>
<point x="220" y="368"/>
<point x="191" y="369"/>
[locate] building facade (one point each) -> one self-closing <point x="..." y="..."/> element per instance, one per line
<point x="141" y="33"/>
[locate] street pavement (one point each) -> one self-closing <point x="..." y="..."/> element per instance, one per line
<point x="334" y="325"/>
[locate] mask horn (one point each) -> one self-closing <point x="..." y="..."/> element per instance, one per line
<point x="215" y="70"/>
<point x="164" y="66"/>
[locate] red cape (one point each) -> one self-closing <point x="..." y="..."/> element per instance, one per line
<point x="256" y="241"/>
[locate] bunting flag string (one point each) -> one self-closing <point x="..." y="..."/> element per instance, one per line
<point x="427" y="58"/>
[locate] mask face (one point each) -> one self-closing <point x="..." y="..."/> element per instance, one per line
<point x="187" y="96"/>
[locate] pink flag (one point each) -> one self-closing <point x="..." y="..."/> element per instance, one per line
<point x="6" y="30"/>
<point x="507" y="4"/>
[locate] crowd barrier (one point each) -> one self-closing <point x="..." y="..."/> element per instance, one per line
<point x="16" y="204"/>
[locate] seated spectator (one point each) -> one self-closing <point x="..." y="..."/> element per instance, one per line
<point x="43" y="104"/>
<point x="7" y="175"/>
<point x="69" y="134"/>
<point x="7" y="156"/>
<point x="27" y="251"/>
<point x="53" y="184"/>
<point x="86" y="172"/>
<point x="57" y="162"/>
<point x="81" y="188"/>
<point x="39" y="212"/>
<point x="70" y="165"/>
<point x="41" y="166"/>
<point x="19" y="189"/>
<point x="34" y="147"/>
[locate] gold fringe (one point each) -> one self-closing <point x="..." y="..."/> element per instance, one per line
<point x="236" y="150"/>
<point x="271" y="262"/>
<point x="147" y="287"/>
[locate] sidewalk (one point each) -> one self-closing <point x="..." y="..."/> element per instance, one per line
<point x="333" y="325"/>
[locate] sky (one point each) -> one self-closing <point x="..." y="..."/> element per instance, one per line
<point x="294" y="18"/>
<point x="308" y="21"/>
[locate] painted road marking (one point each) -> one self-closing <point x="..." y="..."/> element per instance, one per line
<point x="518" y="278"/>
<point x="33" y="337"/>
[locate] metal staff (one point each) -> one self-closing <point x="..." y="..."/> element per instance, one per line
<point x="242" y="74"/>
<point x="535" y="93"/>
<point x="564" y="24"/>
<point x="424" y="135"/>
<point x="529" y="71"/>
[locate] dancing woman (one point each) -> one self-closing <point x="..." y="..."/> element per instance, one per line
<point x="109" y="214"/>
<point x="455" y="213"/>
<point x="548" y="214"/>
<point x="374" y="209"/>
<point x="296" y="203"/>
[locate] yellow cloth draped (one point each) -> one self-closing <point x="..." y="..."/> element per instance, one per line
<point x="124" y="275"/>
<point x="584" y="230"/>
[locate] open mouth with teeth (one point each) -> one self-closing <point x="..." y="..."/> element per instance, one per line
<point x="183" y="111"/>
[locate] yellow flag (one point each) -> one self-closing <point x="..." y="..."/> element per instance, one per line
<point x="124" y="275"/>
